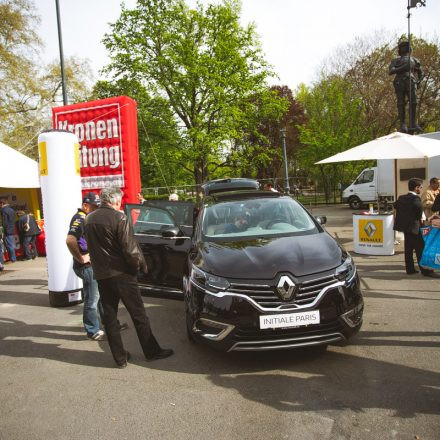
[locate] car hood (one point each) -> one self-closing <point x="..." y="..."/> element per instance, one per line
<point x="263" y="258"/>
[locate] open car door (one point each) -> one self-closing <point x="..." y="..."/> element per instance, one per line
<point x="163" y="230"/>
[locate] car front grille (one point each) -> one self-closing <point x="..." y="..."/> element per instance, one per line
<point x="253" y="339"/>
<point x="265" y="295"/>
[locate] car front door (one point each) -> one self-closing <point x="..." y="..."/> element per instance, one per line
<point x="163" y="230"/>
<point x="365" y="186"/>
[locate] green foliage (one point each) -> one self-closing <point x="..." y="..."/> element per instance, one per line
<point x="29" y="89"/>
<point x="202" y="61"/>
<point x="335" y="124"/>
<point x="160" y="154"/>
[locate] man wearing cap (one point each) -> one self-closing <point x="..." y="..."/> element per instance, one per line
<point x="77" y="245"/>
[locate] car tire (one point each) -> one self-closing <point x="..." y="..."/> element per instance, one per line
<point x="355" y="202"/>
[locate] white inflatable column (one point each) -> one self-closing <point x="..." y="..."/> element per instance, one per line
<point x="61" y="191"/>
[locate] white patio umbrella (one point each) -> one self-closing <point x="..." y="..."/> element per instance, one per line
<point x="393" y="146"/>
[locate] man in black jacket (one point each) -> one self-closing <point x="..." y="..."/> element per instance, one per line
<point x="8" y="219"/>
<point x="409" y="212"/>
<point x="116" y="260"/>
<point x="29" y="231"/>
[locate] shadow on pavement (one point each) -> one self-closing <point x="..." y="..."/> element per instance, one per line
<point x="14" y="344"/>
<point x="297" y="380"/>
<point x="24" y="282"/>
<point x="25" y="298"/>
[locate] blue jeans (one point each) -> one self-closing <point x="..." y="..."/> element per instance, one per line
<point x="91" y="299"/>
<point x="29" y="241"/>
<point x="10" y="246"/>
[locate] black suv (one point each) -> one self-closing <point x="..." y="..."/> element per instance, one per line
<point x="255" y="269"/>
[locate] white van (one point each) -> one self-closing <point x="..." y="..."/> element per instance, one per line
<point x="371" y="183"/>
<point x="379" y="182"/>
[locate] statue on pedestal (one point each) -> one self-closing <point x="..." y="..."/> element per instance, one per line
<point x="408" y="76"/>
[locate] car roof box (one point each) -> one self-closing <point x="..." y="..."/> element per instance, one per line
<point x="235" y="184"/>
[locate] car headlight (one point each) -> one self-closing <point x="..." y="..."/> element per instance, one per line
<point x="208" y="280"/>
<point x="346" y="270"/>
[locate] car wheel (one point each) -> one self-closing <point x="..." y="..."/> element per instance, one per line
<point x="355" y="203"/>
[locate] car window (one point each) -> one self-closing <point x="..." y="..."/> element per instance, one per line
<point x="366" y="177"/>
<point x="149" y="219"/>
<point x="182" y="212"/>
<point x="256" y="218"/>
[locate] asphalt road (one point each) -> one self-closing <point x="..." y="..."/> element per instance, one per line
<point x="385" y="384"/>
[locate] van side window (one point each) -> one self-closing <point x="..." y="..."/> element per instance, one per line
<point x="366" y="177"/>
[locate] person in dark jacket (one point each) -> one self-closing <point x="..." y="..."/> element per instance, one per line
<point x="436" y="205"/>
<point x="29" y="231"/>
<point x="116" y="260"/>
<point x="409" y="212"/>
<point x="8" y="220"/>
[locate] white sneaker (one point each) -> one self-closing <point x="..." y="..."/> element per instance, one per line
<point x="98" y="336"/>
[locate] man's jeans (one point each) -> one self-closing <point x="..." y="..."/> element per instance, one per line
<point x="10" y="246"/>
<point x="91" y="299"/>
<point x="30" y="240"/>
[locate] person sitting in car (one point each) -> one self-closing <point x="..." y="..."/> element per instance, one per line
<point x="240" y="224"/>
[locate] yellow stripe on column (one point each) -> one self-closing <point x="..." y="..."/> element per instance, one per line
<point x="77" y="165"/>
<point x="43" y="159"/>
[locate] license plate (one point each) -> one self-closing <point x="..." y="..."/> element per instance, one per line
<point x="288" y="320"/>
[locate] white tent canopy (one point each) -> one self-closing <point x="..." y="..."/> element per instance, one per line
<point x="393" y="146"/>
<point x="17" y="170"/>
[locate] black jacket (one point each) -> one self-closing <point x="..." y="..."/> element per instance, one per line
<point x="113" y="249"/>
<point x="33" y="227"/>
<point x="8" y="219"/>
<point x="436" y="205"/>
<point x="408" y="214"/>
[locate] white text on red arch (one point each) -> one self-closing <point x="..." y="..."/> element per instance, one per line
<point x="109" y="156"/>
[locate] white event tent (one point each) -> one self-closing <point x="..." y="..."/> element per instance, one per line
<point x="17" y="170"/>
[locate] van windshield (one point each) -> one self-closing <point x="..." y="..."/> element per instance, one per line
<point x="257" y="218"/>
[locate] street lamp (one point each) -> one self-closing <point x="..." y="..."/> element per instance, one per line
<point x="60" y="41"/>
<point x="286" y="173"/>
<point x="411" y="117"/>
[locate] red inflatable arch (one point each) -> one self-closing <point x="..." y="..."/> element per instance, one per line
<point x="108" y="137"/>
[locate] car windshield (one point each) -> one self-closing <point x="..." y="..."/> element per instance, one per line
<point x="256" y="218"/>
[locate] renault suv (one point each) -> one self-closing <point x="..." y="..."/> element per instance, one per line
<point x="256" y="270"/>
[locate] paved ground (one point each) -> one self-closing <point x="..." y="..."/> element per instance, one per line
<point x="55" y="384"/>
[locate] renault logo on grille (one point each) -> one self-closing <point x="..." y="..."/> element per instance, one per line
<point x="370" y="229"/>
<point x="286" y="288"/>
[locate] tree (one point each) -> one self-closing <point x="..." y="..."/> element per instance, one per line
<point x="159" y="136"/>
<point x="18" y="43"/>
<point x="364" y="64"/>
<point x="270" y="127"/>
<point x="28" y="89"/>
<point x="202" y="61"/>
<point x="334" y="124"/>
<point x="354" y="101"/>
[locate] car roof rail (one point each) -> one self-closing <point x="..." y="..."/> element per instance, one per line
<point x="231" y="184"/>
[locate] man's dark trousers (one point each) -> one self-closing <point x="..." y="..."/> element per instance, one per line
<point x="125" y="288"/>
<point x="413" y="243"/>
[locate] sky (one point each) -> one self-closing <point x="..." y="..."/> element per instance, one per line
<point x="296" y="35"/>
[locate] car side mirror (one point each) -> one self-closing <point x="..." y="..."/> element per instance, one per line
<point x="172" y="231"/>
<point x="321" y="219"/>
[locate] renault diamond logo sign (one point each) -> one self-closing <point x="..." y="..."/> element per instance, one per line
<point x="286" y="288"/>
<point x="370" y="229"/>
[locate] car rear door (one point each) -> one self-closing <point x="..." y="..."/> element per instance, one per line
<point x="165" y="255"/>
